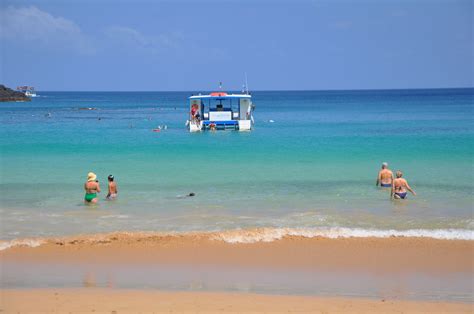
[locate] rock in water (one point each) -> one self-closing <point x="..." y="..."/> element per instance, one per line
<point x="8" y="94"/>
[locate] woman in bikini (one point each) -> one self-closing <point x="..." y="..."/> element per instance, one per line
<point x="400" y="187"/>
<point x="92" y="188"/>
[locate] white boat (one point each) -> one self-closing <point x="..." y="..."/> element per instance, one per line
<point x="27" y="90"/>
<point x="220" y="111"/>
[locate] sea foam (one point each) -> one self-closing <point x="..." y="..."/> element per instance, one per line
<point x="272" y="234"/>
<point x="20" y="242"/>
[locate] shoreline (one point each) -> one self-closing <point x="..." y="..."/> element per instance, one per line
<point x="132" y="301"/>
<point x="253" y="235"/>
<point x="386" y="253"/>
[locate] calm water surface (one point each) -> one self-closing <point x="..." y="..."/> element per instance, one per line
<point x="314" y="167"/>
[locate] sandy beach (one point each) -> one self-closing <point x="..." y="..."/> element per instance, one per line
<point x="133" y="301"/>
<point x="376" y="261"/>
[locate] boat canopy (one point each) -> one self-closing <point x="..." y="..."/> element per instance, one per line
<point x="220" y="95"/>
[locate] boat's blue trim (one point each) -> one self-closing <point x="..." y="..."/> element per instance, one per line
<point x="227" y="122"/>
<point x="221" y="110"/>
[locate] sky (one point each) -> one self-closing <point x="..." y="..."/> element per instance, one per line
<point x="193" y="45"/>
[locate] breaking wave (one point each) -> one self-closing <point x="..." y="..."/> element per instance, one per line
<point x="21" y="242"/>
<point x="246" y="236"/>
<point x="272" y="234"/>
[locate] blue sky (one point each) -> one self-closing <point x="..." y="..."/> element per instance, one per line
<point x="192" y="45"/>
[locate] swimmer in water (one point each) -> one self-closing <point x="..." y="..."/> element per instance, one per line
<point x="400" y="187"/>
<point x="385" y="176"/>
<point x="187" y="195"/>
<point x="92" y="187"/>
<point x="113" y="191"/>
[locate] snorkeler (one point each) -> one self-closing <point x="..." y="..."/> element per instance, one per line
<point x="113" y="191"/>
<point x="400" y="187"/>
<point x="385" y="176"/>
<point x="186" y="196"/>
<point x="92" y="187"/>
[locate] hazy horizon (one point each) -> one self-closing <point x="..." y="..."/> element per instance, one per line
<point x="251" y="91"/>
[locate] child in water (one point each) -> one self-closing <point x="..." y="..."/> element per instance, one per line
<point x="113" y="191"/>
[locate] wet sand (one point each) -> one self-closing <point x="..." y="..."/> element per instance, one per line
<point x="393" y="254"/>
<point x="195" y="272"/>
<point x="133" y="301"/>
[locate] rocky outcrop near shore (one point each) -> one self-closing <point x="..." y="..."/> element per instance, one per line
<point x="8" y="94"/>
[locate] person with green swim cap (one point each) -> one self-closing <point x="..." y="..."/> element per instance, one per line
<point x="92" y="187"/>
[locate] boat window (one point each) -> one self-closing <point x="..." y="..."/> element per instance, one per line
<point x="220" y="104"/>
<point x="205" y="105"/>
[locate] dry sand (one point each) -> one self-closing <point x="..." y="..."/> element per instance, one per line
<point x="135" y="301"/>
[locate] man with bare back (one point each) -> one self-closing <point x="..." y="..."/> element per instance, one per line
<point x="385" y="176"/>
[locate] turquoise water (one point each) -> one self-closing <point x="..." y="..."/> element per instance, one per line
<point x="314" y="167"/>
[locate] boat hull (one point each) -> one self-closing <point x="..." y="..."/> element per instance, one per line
<point x="239" y="125"/>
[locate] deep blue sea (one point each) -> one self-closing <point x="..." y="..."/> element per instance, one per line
<point x="310" y="171"/>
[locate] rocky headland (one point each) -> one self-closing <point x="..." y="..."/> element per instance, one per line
<point x="8" y="94"/>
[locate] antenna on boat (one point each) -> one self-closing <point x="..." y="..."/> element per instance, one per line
<point x="246" y="84"/>
<point x="220" y="85"/>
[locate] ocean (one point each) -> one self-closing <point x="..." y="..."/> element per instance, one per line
<point x="308" y="167"/>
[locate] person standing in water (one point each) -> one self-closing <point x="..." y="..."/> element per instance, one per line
<point x="400" y="187"/>
<point x="92" y="187"/>
<point x="113" y="191"/>
<point x="385" y="176"/>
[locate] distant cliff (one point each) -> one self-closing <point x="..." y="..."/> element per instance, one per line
<point x="8" y="94"/>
